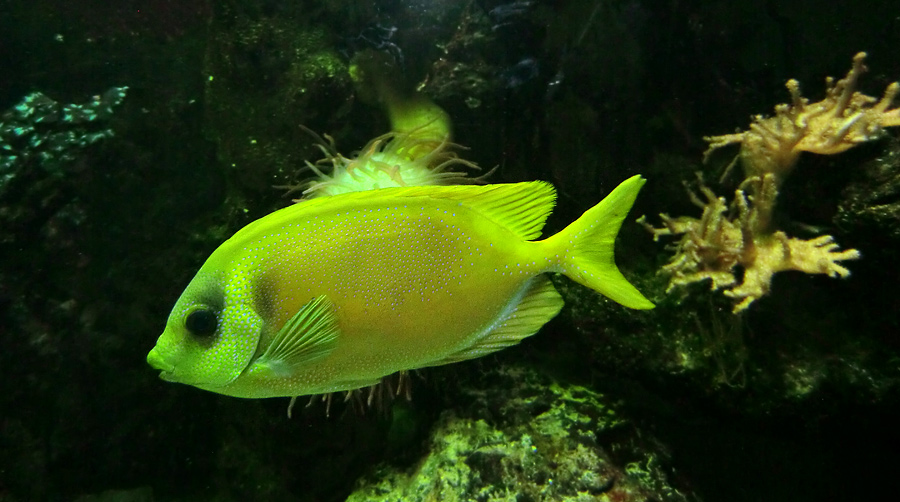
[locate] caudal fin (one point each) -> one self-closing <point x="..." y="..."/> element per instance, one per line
<point x="587" y="245"/>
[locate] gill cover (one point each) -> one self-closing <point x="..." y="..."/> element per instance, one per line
<point x="211" y="335"/>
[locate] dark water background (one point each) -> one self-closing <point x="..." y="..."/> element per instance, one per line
<point x="97" y="240"/>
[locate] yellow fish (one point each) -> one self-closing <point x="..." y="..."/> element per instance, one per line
<point x="334" y="293"/>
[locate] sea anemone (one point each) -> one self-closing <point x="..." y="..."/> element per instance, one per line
<point x="395" y="159"/>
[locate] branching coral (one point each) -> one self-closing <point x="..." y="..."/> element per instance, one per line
<point x="740" y="234"/>
<point x="844" y="119"/>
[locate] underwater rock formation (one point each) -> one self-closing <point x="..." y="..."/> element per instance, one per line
<point x="528" y="438"/>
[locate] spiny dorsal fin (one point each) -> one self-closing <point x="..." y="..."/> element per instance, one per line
<point x="308" y="336"/>
<point x="539" y="304"/>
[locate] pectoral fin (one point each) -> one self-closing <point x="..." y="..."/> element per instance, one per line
<point x="307" y="337"/>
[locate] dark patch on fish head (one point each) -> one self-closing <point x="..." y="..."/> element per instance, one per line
<point x="211" y="335"/>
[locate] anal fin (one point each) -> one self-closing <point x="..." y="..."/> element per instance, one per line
<point x="540" y="303"/>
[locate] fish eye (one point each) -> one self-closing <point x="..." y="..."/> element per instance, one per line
<point x="202" y="323"/>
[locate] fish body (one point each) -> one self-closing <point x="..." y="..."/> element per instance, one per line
<point x="337" y="292"/>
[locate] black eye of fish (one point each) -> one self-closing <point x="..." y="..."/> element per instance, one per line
<point x="202" y="323"/>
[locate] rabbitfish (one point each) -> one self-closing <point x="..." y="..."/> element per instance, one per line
<point x="335" y="293"/>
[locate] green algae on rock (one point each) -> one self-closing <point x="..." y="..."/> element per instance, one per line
<point x="528" y="438"/>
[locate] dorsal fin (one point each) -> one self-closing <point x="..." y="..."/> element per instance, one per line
<point x="521" y="207"/>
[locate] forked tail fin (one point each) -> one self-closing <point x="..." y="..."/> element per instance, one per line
<point x="585" y="247"/>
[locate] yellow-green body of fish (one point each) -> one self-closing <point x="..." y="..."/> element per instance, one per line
<point x="337" y="292"/>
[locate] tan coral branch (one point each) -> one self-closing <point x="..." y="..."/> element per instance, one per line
<point x="840" y="121"/>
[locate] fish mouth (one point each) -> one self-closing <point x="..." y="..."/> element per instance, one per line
<point x="157" y="361"/>
<point x="166" y="376"/>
